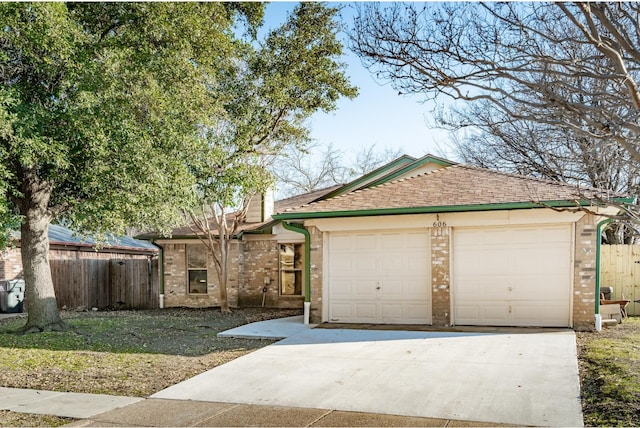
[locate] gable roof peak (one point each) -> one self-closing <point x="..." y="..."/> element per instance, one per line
<point x="454" y="188"/>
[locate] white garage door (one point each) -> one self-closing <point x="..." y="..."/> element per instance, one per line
<point x="380" y="277"/>
<point x="516" y="276"/>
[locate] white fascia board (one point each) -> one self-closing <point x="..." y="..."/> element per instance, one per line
<point x="462" y="219"/>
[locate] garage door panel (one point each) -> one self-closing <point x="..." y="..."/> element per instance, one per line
<point x="547" y="315"/>
<point x="518" y="276"/>
<point x="417" y="241"/>
<point x="365" y="242"/>
<point x="537" y="264"/>
<point x="417" y="313"/>
<point x="485" y="289"/>
<point x="476" y="261"/>
<point x="340" y="243"/>
<point x="495" y="313"/>
<point x="386" y="273"/>
<point x="482" y="315"/>
<point x="391" y="312"/>
<point x="417" y="265"/>
<point x="364" y="263"/>
<point x="341" y="310"/>
<point x="364" y="289"/>
<point x="416" y="290"/>
<point x="365" y="312"/>
<point x="391" y="241"/>
<point x="467" y="313"/>
<point x="391" y="289"/>
<point x="526" y="313"/>
<point x="343" y="289"/>
<point x="393" y="264"/>
<point x="342" y="264"/>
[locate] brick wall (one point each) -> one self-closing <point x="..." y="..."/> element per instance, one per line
<point x="584" y="282"/>
<point x="316" y="275"/>
<point x="251" y="262"/>
<point x="440" y="276"/>
<point x="260" y="261"/>
<point x="10" y="264"/>
<point x="175" y="279"/>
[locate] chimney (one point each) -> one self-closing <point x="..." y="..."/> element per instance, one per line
<point x="260" y="207"/>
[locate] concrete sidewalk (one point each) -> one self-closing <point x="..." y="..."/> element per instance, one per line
<point x="65" y="404"/>
<point x="96" y="410"/>
<point x="275" y="329"/>
<point x="178" y="413"/>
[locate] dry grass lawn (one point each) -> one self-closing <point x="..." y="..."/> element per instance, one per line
<point x="130" y="353"/>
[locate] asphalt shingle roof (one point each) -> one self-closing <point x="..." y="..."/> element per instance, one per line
<point x="280" y="205"/>
<point x="451" y="186"/>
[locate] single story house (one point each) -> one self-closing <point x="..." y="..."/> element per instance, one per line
<point x="417" y="241"/>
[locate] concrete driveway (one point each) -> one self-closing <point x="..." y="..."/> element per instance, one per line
<point x="514" y="378"/>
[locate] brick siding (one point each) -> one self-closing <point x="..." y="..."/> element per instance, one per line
<point x="440" y="276"/>
<point x="251" y="262"/>
<point x="10" y="264"/>
<point x="316" y="275"/>
<point x="176" y="280"/>
<point x="260" y="261"/>
<point x="584" y="283"/>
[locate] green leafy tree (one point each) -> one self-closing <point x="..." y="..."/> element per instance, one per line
<point x="100" y="107"/>
<point x="268" y="92"/>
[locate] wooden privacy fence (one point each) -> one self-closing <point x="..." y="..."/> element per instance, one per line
<point x="114" y="283"/>
<point x="620" y="269"/>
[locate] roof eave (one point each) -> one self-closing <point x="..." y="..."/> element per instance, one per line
<point x="441" y="209"/>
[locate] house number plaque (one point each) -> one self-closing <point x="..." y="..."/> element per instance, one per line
<point x="439" y="223"/>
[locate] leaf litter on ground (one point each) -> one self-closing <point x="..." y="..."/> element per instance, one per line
<point x="131" y="353"/>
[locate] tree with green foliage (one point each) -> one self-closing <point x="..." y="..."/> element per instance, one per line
<point x="268" y="91"/>
<point x="101" y="110"/>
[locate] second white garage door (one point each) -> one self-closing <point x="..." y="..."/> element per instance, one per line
<point x="379" y="277"/>
<point x="512" y="276"/>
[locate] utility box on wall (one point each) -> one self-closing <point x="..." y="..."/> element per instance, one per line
<point x="12" y="296"/>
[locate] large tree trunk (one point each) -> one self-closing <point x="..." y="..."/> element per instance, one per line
<point x="42" y="308"/>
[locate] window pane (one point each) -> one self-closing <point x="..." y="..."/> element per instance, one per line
<point x="198" y="281"/>
<point x="291" y="282"/>
<point x="297" y="263"/>
<point x="196" y="256"/>
<point x="287" y="256"/>
<point x="291" y="268"/>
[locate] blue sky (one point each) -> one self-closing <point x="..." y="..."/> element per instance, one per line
<point x="377" y="116"/>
